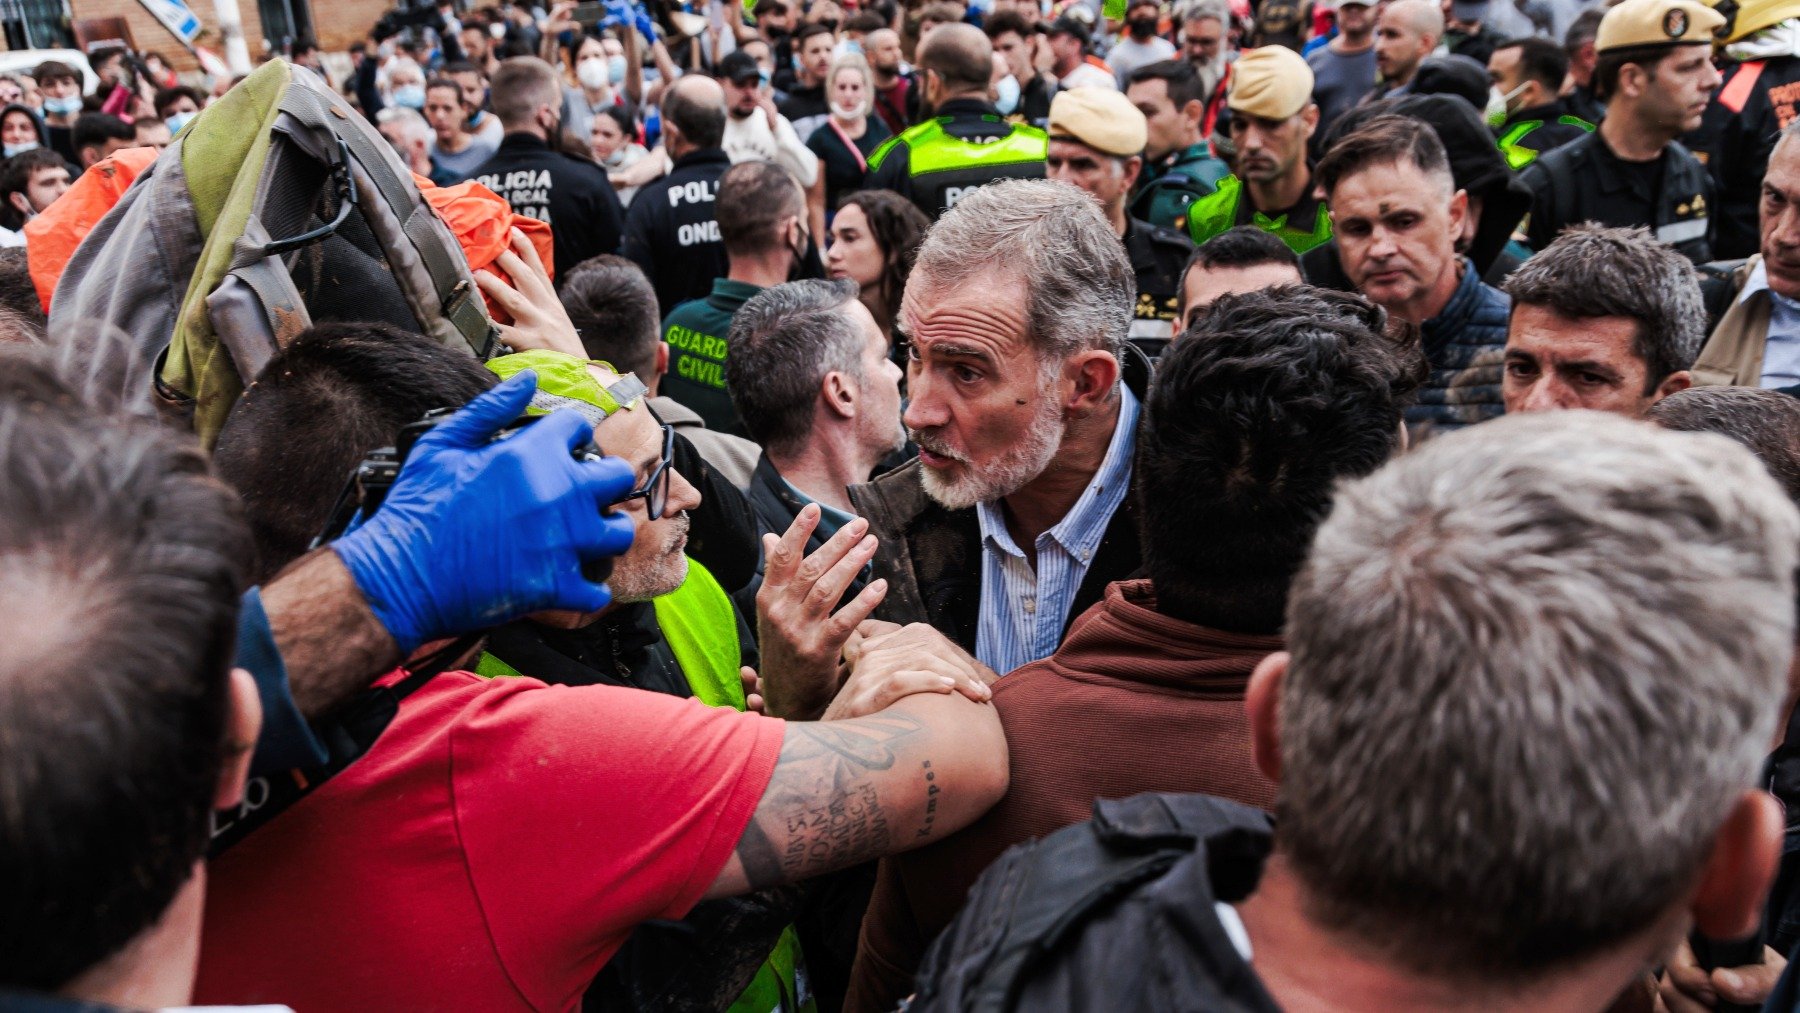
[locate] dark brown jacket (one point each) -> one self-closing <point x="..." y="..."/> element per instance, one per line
<point x="1133" y="701"/>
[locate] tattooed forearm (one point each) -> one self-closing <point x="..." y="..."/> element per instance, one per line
<point x="931" y="799"/>
<point x="822" y="811"/>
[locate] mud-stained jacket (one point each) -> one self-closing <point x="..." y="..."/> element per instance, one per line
<point x="1465" y="346"/>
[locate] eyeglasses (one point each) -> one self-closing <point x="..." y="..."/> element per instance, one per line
<point x="655" y="490"/>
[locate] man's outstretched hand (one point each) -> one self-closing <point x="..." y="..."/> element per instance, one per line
<point x="800" y="635"/>
<point x="476" y="533"/>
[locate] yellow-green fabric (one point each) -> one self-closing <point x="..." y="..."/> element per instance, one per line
<point x="223" y="166"/>
<point x="1219" y="211"/>
<point x="698" y="621"/>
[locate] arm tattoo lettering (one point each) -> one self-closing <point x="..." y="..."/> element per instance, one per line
<point x="820" y="811"/>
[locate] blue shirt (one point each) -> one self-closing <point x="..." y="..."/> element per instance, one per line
<point x="1781" y="352"/>
<point x="1023" y="611"/>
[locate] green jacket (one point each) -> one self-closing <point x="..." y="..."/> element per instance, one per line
<point x="1182" y="178"/>
<point x="1302" y="227"/>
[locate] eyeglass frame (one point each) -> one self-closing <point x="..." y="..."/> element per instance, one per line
<point x="663" y="473"/>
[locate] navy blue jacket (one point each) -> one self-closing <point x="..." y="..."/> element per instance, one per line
<point x="1465" y="346"/>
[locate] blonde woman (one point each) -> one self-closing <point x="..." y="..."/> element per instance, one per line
<point x="849" y="134"/>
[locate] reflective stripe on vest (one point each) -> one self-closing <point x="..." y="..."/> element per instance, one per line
<point x="1217" y="212"/>
<point x="931" y="149"/>
<point x="1737" y="90"/>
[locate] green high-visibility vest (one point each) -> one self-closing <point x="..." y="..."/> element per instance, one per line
<point x="701" y="627"/>
<point x="1218" y="212"/>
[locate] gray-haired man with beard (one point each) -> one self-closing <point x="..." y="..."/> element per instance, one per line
<point x="1015" y="517"/>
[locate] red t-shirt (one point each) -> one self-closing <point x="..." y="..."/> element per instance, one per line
<point x="491" y="852"/>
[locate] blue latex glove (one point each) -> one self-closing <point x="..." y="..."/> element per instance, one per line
<point x="475" y="534"/>
<point x="645" y="26"/>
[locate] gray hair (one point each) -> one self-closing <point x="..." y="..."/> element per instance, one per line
<point x="1198" y="10"/>
<point x="1766" y="421"/>
<point x="1534" y="663"/>
<point x="1593" y="271"/>
<point x="783" y="342"/>
<point x="411" y="124"/>
<point x="1054" y="239"/>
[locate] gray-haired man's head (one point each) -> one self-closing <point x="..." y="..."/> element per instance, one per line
<point x="1535" y="668"/>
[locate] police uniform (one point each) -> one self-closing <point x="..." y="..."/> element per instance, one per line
<point x="569" y="194"/>
<point x="1182" y="178"/>
<point x="1272" y="83"/>
<point x="1585" y="180"/>
<point x="1743" y="122"/>
<point x="966" y="144"/>
<point x="671" y="231"/>
<point x="1531" y="132"/>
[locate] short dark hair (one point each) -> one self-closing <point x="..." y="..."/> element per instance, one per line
<point x="1246" y="434"/>
<point x="1608" y="65"/>
<point x="783" y="342"/>
<point x="1179" y="76"/>
<point x="338" y="391"/>
<point x="1540" y="60"/>
<point x="461" y="67"/>
<point x="807" y="31"/>
<point x="702" y="123"/>
<point x="769" y="8"/>
<point x="54" y="70"/>
<point x="168" y="97"/>
<point x="445" y="81"/>
<point x="93" y="130"/>
<point x="1001" y="22"/>
<point x="18" y="293"/>
<point x="753" y="198"/>
<point x="865" y="22"/>
<point x="1583" y="30"/>
<point x="898" y="227"/>
<point x="15" y="176"/>
<point x="1594" y="271"/>
<point x="123" y="561"/>
<point x="622" y="116"/>
<point x="1382" y="140"/>
<point x="304" y="44"/>
<point x="1238" y="247"/>
<point x="1766" y="421"/>
<point x="612" y="303"/>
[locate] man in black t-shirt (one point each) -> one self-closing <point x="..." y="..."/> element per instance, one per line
<point x="570" y="194"/>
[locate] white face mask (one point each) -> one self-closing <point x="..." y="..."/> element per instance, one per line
<point x="854" y="112"/>
<point x="592" y="73"/>
<point x="1499" y="106"/>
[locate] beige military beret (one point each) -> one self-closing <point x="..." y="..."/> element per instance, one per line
<point x="1101" y="118"/>
<point x="1657" y="23"/>
<point x="1273" y="82"/>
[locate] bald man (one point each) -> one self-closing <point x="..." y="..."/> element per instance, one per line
<point x="532" y="173"/>
<point x="671" y="232"/>
<point x="965" y="142"/>
<point x="896" y="87"/>
<point x="1405" y="34"/>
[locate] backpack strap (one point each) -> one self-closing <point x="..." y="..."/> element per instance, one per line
<point x="459" y="300"/>
<point x="347" y="735"/>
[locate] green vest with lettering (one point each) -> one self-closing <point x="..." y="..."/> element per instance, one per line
<point x="941" y="166"/>
<point x="701" y="627"/>
<point x="1220" y="211"/>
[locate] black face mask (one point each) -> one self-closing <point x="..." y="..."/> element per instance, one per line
<point x="1142" y="28"/>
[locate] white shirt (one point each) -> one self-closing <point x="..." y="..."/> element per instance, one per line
<point x="751" y="138"/>
<point x="1781" y="352"/>
<point x="1130" y="54"/>
<point x="1088" y="76"/>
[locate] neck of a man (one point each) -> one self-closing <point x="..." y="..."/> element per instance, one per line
<point x="1631" y="139"/>
<point x="157" y="969"/>
<point x="1309" y="966"/>
<point x="1277" y="195"/>
<point x="1188" y="139"/>
<point x="60" y="119"/>
<point x="885" y="78"/>
<point x="1044" y="501"/>
<point x="1347" y="43"/>
<point x="677" y="147"/>
<point x="1429" y="303"/>
<point x="530" y="128"/>
<point x="764" y="270"/>
<point x="1115" y="213"/>
<point x="827" y="465"/>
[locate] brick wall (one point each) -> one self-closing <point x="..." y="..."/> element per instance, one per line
<point x="149" y="34"/>
<point x="341" y="22"/>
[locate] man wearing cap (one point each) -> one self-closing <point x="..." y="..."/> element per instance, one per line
<point x="1069" y="39"/>
<point x="1465" y="31"/>
<point x="965" y="141"/>
<point x="754" y="128"/>
<point x="1179" y="166"/>
<point x="1760" y="94"/>
<point x="1655" y="74"/>
<point x="1139" y="46"/>
<point x="1405" y="34"/>
<point x="1272" y="118"/>
<point x="1344" y="69"/>
<point x="1096" y="143"/>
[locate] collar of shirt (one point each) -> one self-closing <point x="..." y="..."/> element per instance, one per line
<point x="831" y="519"/>
<point x="1080" y="530"/>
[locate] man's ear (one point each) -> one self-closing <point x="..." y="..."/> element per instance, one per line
<point x="243" y="722"/>
<point x="1194" y="112"/>
<point x="662" y="358"/>
<point x="1675" y="382"/>
<point x="1459" y="212"/>
<point x="839" y="395"/>
<point x="20" y="203"/>
<point x="1134" y="167"/>
<point x="1735" y="879"/>
<point x="1095" y="373"/>
<point x="1262" y="702"/>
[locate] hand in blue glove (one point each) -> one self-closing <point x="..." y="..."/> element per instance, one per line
<point x="475" y="534"/>
<point x="645" y="26"/>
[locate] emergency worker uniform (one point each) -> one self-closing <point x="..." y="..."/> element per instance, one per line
<point x="1180" y="179"/>
<point x="671" y="231"/>
<point x="1158" y="258"/>
<point x="965" y="145"/>
<point x="1531" y="132"/>
<point x="1743" y="121"/>
<point x="570" y="195"/>
<point x="1585" y="180"/>
<point x="697" y="333"/>
<point x="1272" y="83"/>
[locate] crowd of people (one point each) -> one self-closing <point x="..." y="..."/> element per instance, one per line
<point x="1222" y="506"/>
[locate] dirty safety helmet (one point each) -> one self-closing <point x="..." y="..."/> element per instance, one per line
<point x="1744" y="18"/>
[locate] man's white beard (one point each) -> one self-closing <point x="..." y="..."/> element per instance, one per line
<point x="1025" y="461"/>
<point x="1210" y="72"/>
